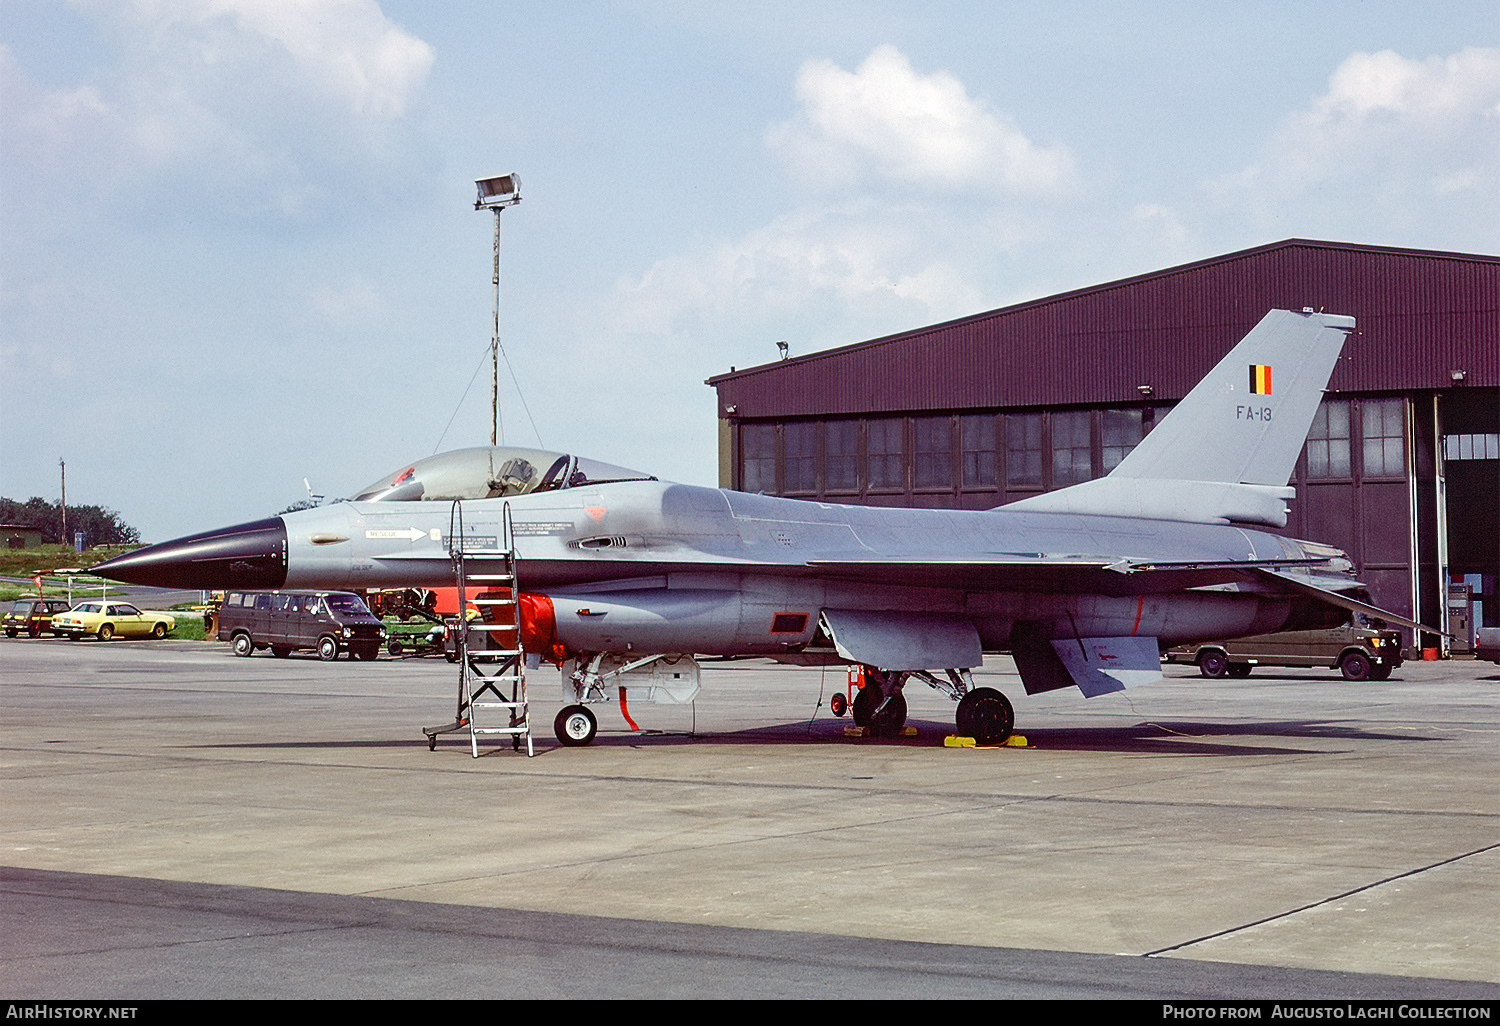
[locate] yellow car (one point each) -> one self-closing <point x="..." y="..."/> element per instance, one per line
<point x="107" y="619"/>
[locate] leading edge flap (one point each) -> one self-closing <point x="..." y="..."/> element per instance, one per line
<point x="904" y="641"/>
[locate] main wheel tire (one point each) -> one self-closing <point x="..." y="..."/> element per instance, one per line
<point x="1239" y="670"/>
<point x="106" y="631"/>
<point x="575" y="726"/>
<point x="242" y="645"/>
<point x="328" y="649"/>
<point x="1213" y="663"/>
<point x="394" y="648"/>
<point x="159" y="630"/>
<point x="865" y="701"/>
<point x="838" y="703"/>
<point x="888" y="719"/>
<point x="1355" y="667"/>
<point x="985" y="715"/>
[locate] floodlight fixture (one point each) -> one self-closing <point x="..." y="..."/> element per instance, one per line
<point x="504" y="191"/>
<point x="785" y="350"/>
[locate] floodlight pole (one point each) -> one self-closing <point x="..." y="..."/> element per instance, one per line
<point x="495" y="340"/>
<point x="496" y="194"/>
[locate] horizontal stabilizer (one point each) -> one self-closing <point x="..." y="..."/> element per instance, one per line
<point x="1341" y="601"/>
<point x="1098" y="666"/>
<point x="1102" y="666"/>
<point x="1197" y="502"/>
<point x="904" y="641"/>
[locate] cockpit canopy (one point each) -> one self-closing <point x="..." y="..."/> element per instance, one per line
<point x="489" y="472"/>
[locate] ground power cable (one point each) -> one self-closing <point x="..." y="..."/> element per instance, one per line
<point x="1320" y="902"/>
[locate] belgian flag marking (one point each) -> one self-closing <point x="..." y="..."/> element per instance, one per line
<point x="1260" y="379"/>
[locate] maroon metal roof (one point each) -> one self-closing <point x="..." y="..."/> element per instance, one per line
<point x="1421" y="316"/>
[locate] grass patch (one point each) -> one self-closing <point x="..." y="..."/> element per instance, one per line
<point x="26" y="562"/>
<point x="189" y="627"/>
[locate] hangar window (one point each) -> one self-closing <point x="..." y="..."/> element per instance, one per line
<point x="1072" y="456"/>
<point x="758" y="445"/>
<point x="842" y="468"/>
<point x="1383" y="425"/>
<point x="800" y="441"/>
<point x="1023" y="450"/>
<point x="1471" y="447"/>
<point x="1122" y="431"/>
<point x="934" y="452"/>
<point x="977" y="435"/>
<point x="887" y="445"/>
<point x="1328" y="443"/>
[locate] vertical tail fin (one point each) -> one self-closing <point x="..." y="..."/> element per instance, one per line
<point x="1226" y="452"/>
<point x="1245" y="422"/>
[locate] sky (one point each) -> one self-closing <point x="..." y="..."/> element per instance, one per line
<point x="238" y="246"/>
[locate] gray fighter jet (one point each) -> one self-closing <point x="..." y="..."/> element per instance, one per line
<point x="619" y="572"/>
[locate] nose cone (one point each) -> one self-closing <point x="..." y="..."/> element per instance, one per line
<point x="246" y="556"/>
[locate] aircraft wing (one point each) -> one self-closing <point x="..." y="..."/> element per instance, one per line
<point x="1044" y="572"/>
<point x="1334" y="598"/>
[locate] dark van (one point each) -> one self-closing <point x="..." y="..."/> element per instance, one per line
<point x="327" y="622"/>
<point x="1361" y="650"/>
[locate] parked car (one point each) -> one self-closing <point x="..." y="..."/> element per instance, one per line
<point x="327" y="622"/>
<point x="1361" y="650"/>
<point x="1487" y="644"/>
<point x="106" y="619"/>
<point x="33" y="616"/>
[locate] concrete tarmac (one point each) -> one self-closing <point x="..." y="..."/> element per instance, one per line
<point x="183" y="823"/>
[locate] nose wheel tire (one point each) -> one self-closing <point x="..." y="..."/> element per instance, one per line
<point x="575" y="726"/>
<point x="985" y="715"/>
<point x="838" y="703"/>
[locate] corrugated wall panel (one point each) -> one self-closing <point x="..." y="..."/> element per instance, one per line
<point x="1421" y="316"/>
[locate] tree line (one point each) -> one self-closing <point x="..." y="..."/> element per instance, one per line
<point x="100" y="526"/>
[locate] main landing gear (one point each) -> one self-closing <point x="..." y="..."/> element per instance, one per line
<point x="984" y="714"/>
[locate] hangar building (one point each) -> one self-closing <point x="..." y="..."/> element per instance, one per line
<point x="1401" y="468"/>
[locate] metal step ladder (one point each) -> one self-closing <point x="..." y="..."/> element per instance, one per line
<point x="491" y="656"/>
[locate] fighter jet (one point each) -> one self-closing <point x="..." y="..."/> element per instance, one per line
<point x="618" y="571"/>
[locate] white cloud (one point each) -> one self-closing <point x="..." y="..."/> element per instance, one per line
<point x="1395" y="143"/>
<point x="250" y="105"/>
<point x="861" y="256"/>
<point x="931" y="191"/>
<point x="348" y="47"/>
<point x="355" y="303"/>
<point x="919" y="130"/>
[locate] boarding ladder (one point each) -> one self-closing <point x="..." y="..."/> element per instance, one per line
<point x="491" y="656"/>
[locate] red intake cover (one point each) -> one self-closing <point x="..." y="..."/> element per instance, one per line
<point x="539" y="628"/>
